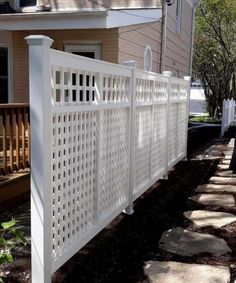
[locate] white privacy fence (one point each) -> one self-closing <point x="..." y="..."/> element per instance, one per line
<point x="228" y="114"/>
<point x="102" y="134"/>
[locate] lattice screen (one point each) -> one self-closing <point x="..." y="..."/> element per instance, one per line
<point x="90" y="154"/>
<point x="114" y="160"/>
<point x="105" y="142"/>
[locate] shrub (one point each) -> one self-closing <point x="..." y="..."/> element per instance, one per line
<point x="10" y="237"/>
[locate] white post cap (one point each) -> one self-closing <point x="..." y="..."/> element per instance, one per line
<point x="187" y="78"/>
<point x="130" y="63"/>
<point x="39" y="40"/>
<point x="167" y="73"/>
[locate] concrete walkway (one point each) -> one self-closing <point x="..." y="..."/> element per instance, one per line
<point x="218" y="194"/>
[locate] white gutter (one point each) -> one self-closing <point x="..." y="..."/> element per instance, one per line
<point x="195" y="5"/>
<point x="163" y="36"/>
<point x="92" y="19"/>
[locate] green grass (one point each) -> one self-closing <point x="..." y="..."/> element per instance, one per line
<point x="205" y="119"/>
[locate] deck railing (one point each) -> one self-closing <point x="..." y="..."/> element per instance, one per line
<point x="14" y="137"/>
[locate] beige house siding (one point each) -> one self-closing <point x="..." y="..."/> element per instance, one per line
<point x="178" y="45"/>
<point x="133" y="41"/>
<point x="107" y="38"/>
<point x="98" y="4"/>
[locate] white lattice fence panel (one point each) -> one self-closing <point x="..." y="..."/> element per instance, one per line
<point x="90" y="154"/>
<point x="114" y="160"/>
<point x="142" y="147"/>
<point x="104" y="147"/>
<point x="159" y="146"/>
<point x="172" y="133"/>
<point x="73" y="178"/>
<point x="181" y="136"/>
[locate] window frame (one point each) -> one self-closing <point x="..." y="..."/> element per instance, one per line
<point x="88" y="47"/>
<point x="148" y="52"/>
<point x="10" y="72"/>
<point x="179" y="8"/>
<point x="18" y="7"/>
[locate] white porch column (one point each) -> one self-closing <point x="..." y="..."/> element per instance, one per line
<point x="40" y="115"/>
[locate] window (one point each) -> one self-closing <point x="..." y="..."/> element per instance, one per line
<point x="27" y="3"/>
<point x="178" y="15"/>
<point x="88" y="50"/>
<point x="148" y="58"/>
<point x="4" y="70"/>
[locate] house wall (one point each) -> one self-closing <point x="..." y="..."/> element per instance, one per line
<point x="108" y="38"/>
<point x="58" y="5"/>
<point x="178" y="45"/>
<point x="133" y="41"/>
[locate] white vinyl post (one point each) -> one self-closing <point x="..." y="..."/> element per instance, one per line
<point x="129" y="210"/>
<point x="223" y="118"/>
<point x="187" y="78"/>
<point x="167" y="74"/>
<point x="40" y="116"/>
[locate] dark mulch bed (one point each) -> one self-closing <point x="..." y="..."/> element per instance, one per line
<point x="119" y="252"/>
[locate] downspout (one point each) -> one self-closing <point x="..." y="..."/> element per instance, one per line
<point x="163" y="36"/>
<point x="195" y="5"/>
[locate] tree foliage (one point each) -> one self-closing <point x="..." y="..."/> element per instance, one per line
<point x="214" y="59"/>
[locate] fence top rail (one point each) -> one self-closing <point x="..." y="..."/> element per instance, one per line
<point x="151" y="76"/>
<point x="179" y="81"/>
<point x="14" y="105"/>
<point x="76" y="62"/>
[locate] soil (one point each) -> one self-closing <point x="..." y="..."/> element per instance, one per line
<point x="119" y="252"/>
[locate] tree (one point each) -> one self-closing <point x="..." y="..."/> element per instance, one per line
<point x="214" y="58"/>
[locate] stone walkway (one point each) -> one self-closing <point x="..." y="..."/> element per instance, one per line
<point x="218" y="194"/>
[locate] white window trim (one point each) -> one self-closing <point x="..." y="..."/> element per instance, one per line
<point x="10" y="72"/>
<point x="148" y="49"/>
<point x="80" y="47"/>
<point x="26" y="8"/>
<point x="178" y="16"/>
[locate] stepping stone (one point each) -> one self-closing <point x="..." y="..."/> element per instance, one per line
<point x="222" y="167"/>
<point x="177" y="272"/>
<point x="203" y="218"/>
<point x="223" y="180"/>
<point x="227" y="157"/>
<point x="215" y="199"/>
<point x="213" y="188"/>
<point x="226" y="161"/>
<point x="228" y="152"/>
<point x="186" y="243"/>
<point x="228" y="173"/>
<point x="231" y="142"/>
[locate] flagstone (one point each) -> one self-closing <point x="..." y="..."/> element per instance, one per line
<point x="214" y="188"/>
<point x="178" y="272"/>
<point x="222" y="167"/>
<point x="203" y="218"/>
<point x="186" y="243"/>
<point x="221" y="200"/>
<point x="227" y="173"/>
<point x="223" y="180"/>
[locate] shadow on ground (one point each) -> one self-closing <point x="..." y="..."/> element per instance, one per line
<point x="120" y="251"/>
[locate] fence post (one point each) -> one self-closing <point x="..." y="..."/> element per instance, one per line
<point x="129" y="210"/>
<point x="40" y="115"/>
<point x="167" y="74"/>
<point x="188" y="79"/>
<point x="223" y="118"/>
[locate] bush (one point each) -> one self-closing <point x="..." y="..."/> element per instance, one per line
<point x="205" y="119"/>
<point x="9" y="238"/>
